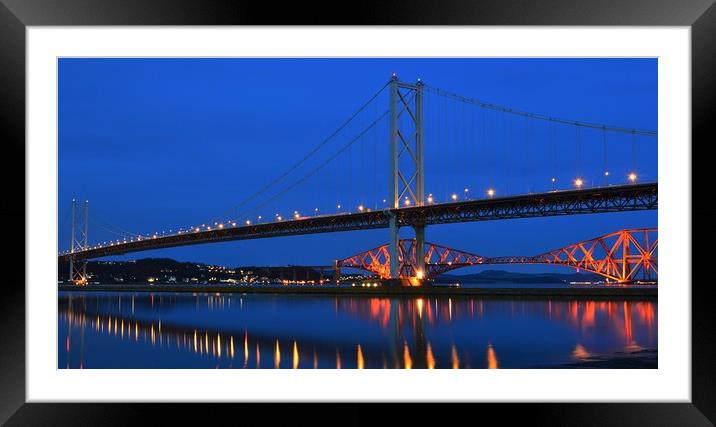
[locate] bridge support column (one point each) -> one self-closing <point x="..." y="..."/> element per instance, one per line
<point x="406" y="140"/>
<point x="420" y="181"/>
<point x="393" y="230"/>
<point x="419" y="251"/>
<point x="79" y="242"/>
<point x="337" y="272"/>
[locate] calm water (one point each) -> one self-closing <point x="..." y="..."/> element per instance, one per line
<point x="184" y="330"/>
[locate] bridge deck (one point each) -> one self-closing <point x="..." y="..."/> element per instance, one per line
<point x="572" y="202"/>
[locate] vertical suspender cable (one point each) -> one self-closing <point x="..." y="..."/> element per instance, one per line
<point x="486" y="162"/>
<point x="473" y="143"/>
<point x="552" y="155"/>
<point x="375" y="159"/>
<point x="338" y="180"/>
<point x="505" y="151"/>
<point x="452" y="136"/>
<point x="633" y="151"/>
<point x="606" y="159"/>
<point x="362" y="173"/>
<point x="445" y="147"/>
<point x="466" y="173"/>
<point x="525" y="155"/>
<point x="579" y="152"/>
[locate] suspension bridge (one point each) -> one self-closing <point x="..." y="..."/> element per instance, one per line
<point x="495" y="162"/>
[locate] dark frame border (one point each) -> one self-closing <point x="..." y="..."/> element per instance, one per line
<point x="15" y="15"/>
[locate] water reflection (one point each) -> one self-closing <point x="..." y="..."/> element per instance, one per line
<point x="277" y="357"/>
<point x="295" y="356"/>
<point x="202" y="330"/>
<point x="491" y="357"/>
<point x="359" y="357"/>
<point x="581" y="353"/>
<point x="430" y="358"/>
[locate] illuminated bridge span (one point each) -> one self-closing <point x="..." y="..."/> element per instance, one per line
<point x="623" y="256"/>
<point x="594" y="200"/>
<point x="486" y="162"/>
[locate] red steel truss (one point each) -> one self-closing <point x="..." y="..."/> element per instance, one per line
<point x="624" y="256"/>
<point x="438" y="260"/>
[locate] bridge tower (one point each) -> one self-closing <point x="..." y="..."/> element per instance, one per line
<point x="407" y="171"/>
<point x="78" y="242"/>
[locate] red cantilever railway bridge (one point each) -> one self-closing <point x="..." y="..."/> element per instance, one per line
<point x="623" y="256"/>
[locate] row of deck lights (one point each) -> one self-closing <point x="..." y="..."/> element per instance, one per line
<point x="579" y="182"/>
<point x="490" y="192"/>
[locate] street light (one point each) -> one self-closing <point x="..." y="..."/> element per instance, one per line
<point x="490" y="192"/>
<point x="430" y="198"/>
<point x="466" y="191"/>
<point x="632" y="177"/>
<point x="454" y="196"/>
<point x="578" y="182"/>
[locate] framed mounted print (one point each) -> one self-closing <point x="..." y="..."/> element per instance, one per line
<point x="398" y="211"/>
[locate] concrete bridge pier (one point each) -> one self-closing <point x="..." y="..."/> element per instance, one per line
<point x="337" y="272"/>
<point x="419" y="251"/>
<point x="393" y="246"/>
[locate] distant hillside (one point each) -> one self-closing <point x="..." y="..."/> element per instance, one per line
<point x="166" y="270"/>
<point x="499" y="276"/>
<point x="142" y="270"/>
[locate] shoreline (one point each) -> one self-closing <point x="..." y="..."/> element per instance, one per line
<point x="628" y="292"/>
<point x="642" y="359"/>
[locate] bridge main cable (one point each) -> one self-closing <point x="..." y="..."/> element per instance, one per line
<point x="309" y="154"/>
<point x="537" y="116"/>
<point x="322" y="165"/>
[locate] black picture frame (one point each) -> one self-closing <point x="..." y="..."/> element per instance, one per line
<point x="16" y="15"/>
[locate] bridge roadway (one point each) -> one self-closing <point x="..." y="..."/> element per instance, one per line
<point x="633" y="197"/>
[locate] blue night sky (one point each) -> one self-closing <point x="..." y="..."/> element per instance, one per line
<point x="157" y="144"/>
